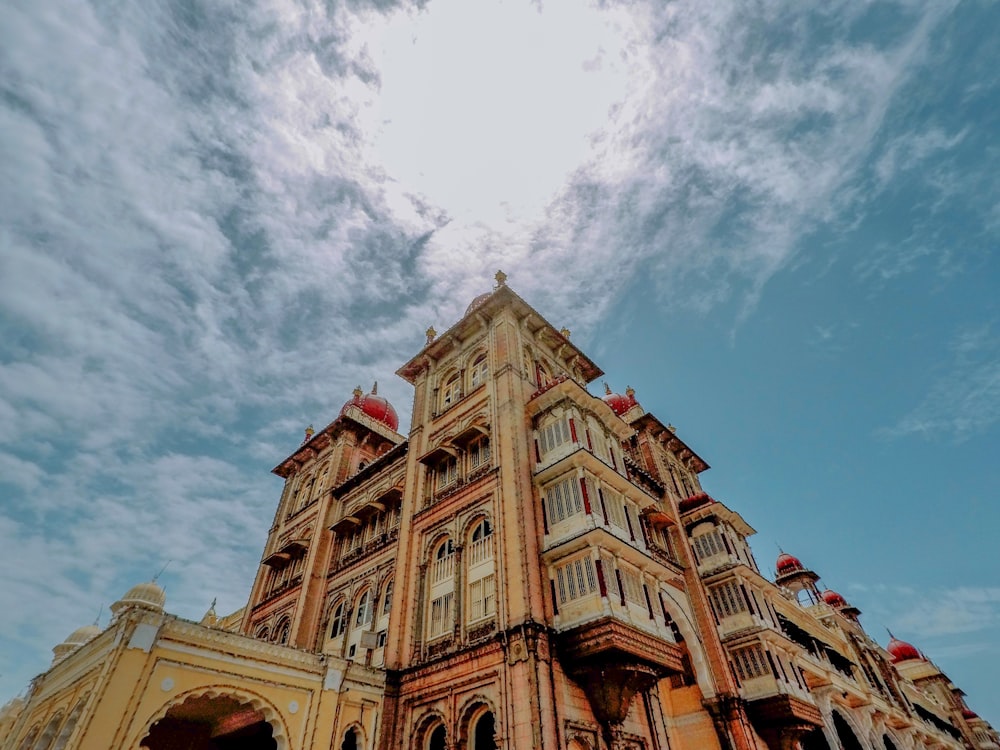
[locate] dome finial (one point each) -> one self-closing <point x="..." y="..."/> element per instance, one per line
<point x="565" y="332"/>
<point x="607" y="388"/>
<point x="630" y="392"/>
<point x="431" y="334"/>
<point x="309" y="433"/>
<point x="358" y="393"/>
<point x="157" y="576"/>
<point x="501" y="278"/>
<point x="375" y="388"/>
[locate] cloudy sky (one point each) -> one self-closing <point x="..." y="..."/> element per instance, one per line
<point x="778" y="223"/>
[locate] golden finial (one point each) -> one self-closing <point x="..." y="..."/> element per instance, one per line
<point x="375" y="388"/>
<point x="358" y="393"/>
<point x="431" y="334"/>
<point x="630" y="391"/>
<point x="309" y="433"/>
<point x="671" y="428"/>
<point x="564" y="331"/>
<point x="607" y="388"/>
<point x="501" y="278"/>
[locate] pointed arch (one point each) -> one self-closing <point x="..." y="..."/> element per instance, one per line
<point x="48" y="735"/>
<point x="477" y="724"/>
<point x="338" y="617"/>
<point x="70" y="724"/>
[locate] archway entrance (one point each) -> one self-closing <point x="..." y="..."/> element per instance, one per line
<point x="815" y="740"/>
<point x="206" y="723"/>
<point x="848" y="740"/>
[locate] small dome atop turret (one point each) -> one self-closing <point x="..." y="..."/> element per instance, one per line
<point x="901" y="650"/>
<point x="478" y="302"/>
<point x="373" y="406"/>
<point x="968" y="713"/>
<point x="834" y="599"/>
<point x="695" y="501"/>
<point x="147" y="595"/>
<point x="787" y="564"/>
<point x="74" y="640"/>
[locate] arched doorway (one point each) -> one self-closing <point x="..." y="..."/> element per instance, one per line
<point x="848" y="740"/>
<point x="484" y="735"/>
<point x="211" y="723"/>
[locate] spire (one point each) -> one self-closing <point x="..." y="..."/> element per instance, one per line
<point x="501" y="278"/>
<point x="607" y="388"/>
<point x="358" y="393"/>
<point x="375" y="388"/>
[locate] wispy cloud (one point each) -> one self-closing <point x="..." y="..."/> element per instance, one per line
<point x="933" y="612"/>
<point x="964" y="400"/>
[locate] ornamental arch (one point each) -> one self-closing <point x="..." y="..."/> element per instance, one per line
<point x="214" y="718"/>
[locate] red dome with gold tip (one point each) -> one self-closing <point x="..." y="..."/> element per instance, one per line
<point x="834" y="599"/>
<point x="968" y="713"/>
<point x="619" y="403"/>
<point x="695" y="501"/>
<point x="374" y="406"/>
<point x="787" y="564"/>
<point x="901" y="650"/>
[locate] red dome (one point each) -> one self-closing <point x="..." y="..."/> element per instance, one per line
<point x="478" y="302"/>
<point x="968" y="713"/>
<point x="787" y="564"/>
<point x="374" y="406"/>
<point x="619" y="403"/>
<point x="834" y="599"/>
<point x="901" y="650"/>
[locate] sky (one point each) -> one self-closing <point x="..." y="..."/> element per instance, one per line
<point x="777" y="222"/>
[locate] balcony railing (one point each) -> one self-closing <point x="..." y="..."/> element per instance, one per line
<point x="481" y="550"/>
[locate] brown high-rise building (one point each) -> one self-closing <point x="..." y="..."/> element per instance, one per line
<point x="533" y="566"/>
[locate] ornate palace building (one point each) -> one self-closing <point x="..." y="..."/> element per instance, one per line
<point x="533" y="566"/>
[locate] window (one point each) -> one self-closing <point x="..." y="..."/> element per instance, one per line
<point x="615" y="506"/>
<point x="749" y="662"/>
<point x="387" y="599"/>
<point x="482" y="598"/>
<point x="262" y="633"/>
<point x="632" y="583"/>
<point x="447" y="472"/>
<point x="383" y="636"/>
<point x="451" y="391"/>
<point x="552" y="435"/>
<point x="441" y="614"/>
<point x="481" y="547"/>
<point x="611" y="577"/>
<point x="338" y="621"/>
<point x="576" y="579"/>
<point x="727" y="598"/>
<point x="363" y="613"/>
<point x="479" y="452"/>
<point x="707" y="544"/>
<point x="283" y="631"/>
<point x="480" y="369"/>
<point x="443" y="566"/>
<point x="563" y="500"/>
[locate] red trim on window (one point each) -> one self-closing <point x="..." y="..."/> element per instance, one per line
<point x="604" y="508"/>
<point x="586" y="497"/>
<point x="590" y="444"/>
<point x="572" y="429"/>
<point x="600" y="578"/>
<point x="555" y="601"/>
<point x="538" y="455"/>
<point x="621" y="586"/>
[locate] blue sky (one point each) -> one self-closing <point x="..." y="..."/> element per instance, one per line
<point x="778" y="223"/>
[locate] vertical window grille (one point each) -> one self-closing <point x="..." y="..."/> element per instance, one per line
<point x="441" y="614"/>
<point x="482" y="598"/>
<point x="554" y="434"/>
<point x="563" y="500"/>
<point x="576" y="579"/>
<point x="750" y="662"/>
<point x="633" y="587"/>
<point x="708" y="544"/>
<point x="611" y="578"/>
<point x="728" y="599"/>
<point x="616" y="509"/>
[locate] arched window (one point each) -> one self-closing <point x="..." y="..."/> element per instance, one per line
<point x="48" y="736"/>
<point x="441" y="596"/>
<point x="483" y="529"/>
<point x="363" y="609"/>
<point x="338" y="623"/>
<point x="444" y="562"/>
<point x="283" y="630"/>
<point x="452" y="391"/>
<point x="263" y="633"/>
<point x="848" y="739"/>
<point x="387" y="598"/>
<point x="479" y="452"/>
<point x="482" y="601"/>
<point x="70" y="725"/>
<point x="29" y="738"/>
<point x="350" y="740"/>
<point x="480" y="370"/>
<point x="484" y="735"/>
<point x="436" y="738"/>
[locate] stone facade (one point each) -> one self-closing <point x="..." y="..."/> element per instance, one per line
<point x="531" y="567"/>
